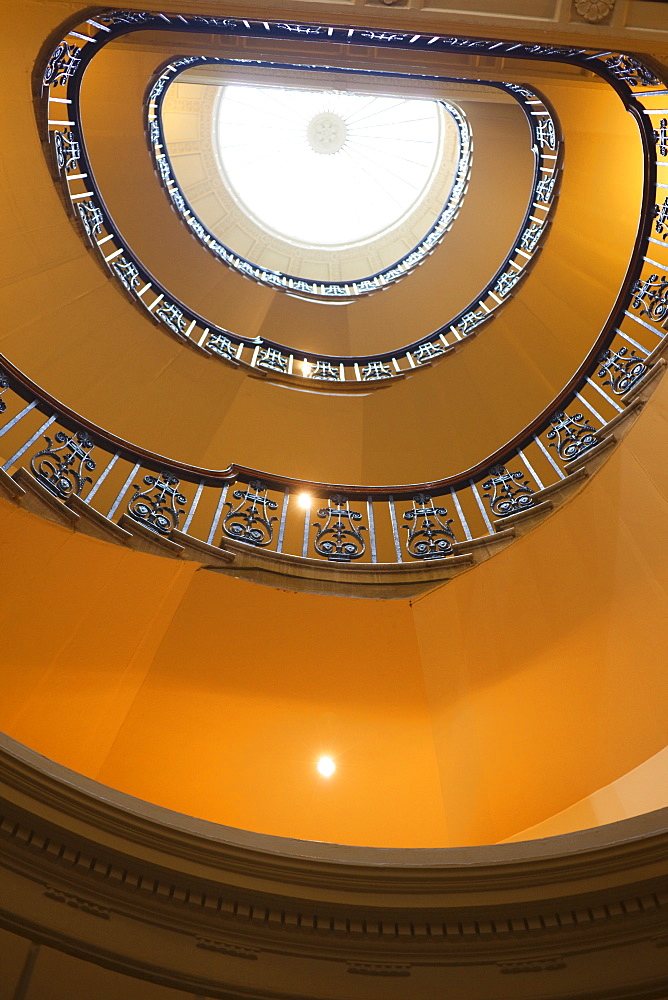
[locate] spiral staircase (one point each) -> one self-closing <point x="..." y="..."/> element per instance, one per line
<point x="421" y="529"/>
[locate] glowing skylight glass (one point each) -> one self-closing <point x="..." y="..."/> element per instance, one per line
<point x="327" y="168"/>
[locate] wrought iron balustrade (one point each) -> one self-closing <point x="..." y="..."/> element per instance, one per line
<point x="350" y="525"/>
<point x="85" y="469"/>
<point x="63" y="73"/>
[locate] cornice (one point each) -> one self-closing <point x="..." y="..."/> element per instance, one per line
<point x="57" y="794"/>
<point x="556" y="26"/>
<point x="125" y="871"/>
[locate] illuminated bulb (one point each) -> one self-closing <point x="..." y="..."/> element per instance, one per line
<point x="306" y="368"/>
<point x="304" y="500"/>
<point x="326" y="767"/>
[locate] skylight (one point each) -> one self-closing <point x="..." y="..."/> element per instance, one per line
<point x="326" y="168"/>
<point x="322" y="193"/>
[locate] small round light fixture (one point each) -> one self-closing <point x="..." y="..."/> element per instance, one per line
<point x="326" y="767"/>
<point x="304" y="501"/>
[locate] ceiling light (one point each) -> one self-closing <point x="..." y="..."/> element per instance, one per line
<point x="326" y="767"/>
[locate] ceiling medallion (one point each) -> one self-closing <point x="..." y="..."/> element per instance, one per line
<point x="593" y="11"/>
<point x="326" y="133"/>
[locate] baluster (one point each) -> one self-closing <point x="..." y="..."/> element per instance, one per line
<point x="570" y="435"/>
<point x="4" y="386"/>
<point x="281" y="527"/>
<point x="307" y="528"/>
<point x="115" y="505"/>
<point x="157" y="506"/>
<point x="612" y="402"/>
<point x="548" y="456"/>
<point x="216" y="516"/>
<point x="62" y="465"/>
<point x="460" y="513"/>
<point x="19" y="416"/>
<point x="101" y="478"/>
<point x="337" y="539"/>
<point x="531" y="469"/>
<point x="592" y="410"/>
<point x="485" y="517"/>
<point x="395" y="532"/>
<point x="372" y="529"/>
<point x="250" y="521"/>
<point x="193" y="508"/>
<point x="633" y="342"/>
<point x="31" y="440"/>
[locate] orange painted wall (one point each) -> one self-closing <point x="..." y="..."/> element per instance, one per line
<point x="546" y="667"/>
<point x="479" y="711"/>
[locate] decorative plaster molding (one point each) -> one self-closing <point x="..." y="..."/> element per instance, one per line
<point x="532" y="965"/>
<point x="85" y="905"/>
<point x="505" y="915"/>
<point x="227" y="948"/>
<point x="376" y="969"/>
<point x="593" y="11"/>
<point x="295" y="903"/>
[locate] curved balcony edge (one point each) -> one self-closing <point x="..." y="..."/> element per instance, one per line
<point x="355" y="548"/>
<point x="213" y="896"/>
<point x="68" y="158"/>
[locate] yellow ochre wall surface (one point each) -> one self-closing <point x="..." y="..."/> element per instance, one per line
<point x="473" y="714"/>
<point x="480" y="710"/>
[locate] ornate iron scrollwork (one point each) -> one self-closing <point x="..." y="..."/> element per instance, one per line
<point x="573" y="435"/>
<point x="62" y="65"/>
<point x="428" y="536"/>
<point x="508" y="492"/>
<point x="222" y="345"/>
<point x="172" y="316"/>
<point x="623" y="369"/>
<point x="651" y="297"/>
<point x="427" y="351"/>
<point x="249" y="520"/>
<point x="545" y="188"/>
<point x="661" y="137"/>
<point x="338" y="539"/>
<point x="272" y="358"/>
<point x="156" y="507"/>
<point x="506" y="282"/>
<point x="545" y="133"/>
<point x="4" y="386"/>
<point x="61" y="465"/>
<point x="530" y="237"/>
<point x="516" y="88"/>
<point x="374" y="370"/>
<point x="471" y="320"/>
<point x="661" y="219"/>
<point x="92" y="218"/>
<point x="67" y="149"/>
<point x="630" y="71"/>
<point x="325" y="371"/>
<point x="126" y="17"/>
<point x="127" y="273"/>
